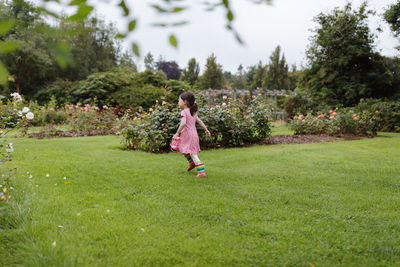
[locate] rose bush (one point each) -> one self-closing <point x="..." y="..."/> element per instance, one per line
<point x="231" y="123"/>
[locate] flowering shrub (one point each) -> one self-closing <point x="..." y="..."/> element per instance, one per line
<point x="231" y="124"/>
<point x="337" y="122"/>
<point x="89" y="118"/>
<point x="12" y="115"/>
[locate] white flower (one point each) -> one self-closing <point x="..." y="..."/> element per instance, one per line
<point x="65" y="178"/>
<point x="78" y="214"/>
<point x="20" y="113"/>
<point x="224" y="97"/>
<point x="9" y="148"/>
<point x="30" y="116"/>
<point x="16" y="97"/>
<point x="47" y="175"/>
<point x="60" y="226"/>
<point x="25" y="110"/>
<point x="223" y="104"/>
<point x="54" y="244"/>
<point x="30" y="176"/>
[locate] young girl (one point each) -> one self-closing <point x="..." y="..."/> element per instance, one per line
<point x="189" y="141"/>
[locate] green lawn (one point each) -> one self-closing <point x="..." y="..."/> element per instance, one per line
<point x="284" y="205"/>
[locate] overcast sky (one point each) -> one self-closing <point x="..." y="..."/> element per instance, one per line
<point x="286" y="23"/>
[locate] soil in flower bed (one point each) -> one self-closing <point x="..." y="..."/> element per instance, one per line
<point x="44" y="134"/>
<point x="307" y="138"/>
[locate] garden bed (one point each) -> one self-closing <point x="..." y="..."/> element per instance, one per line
<point x="71" y="133"/>
<point x="307" y="138"/>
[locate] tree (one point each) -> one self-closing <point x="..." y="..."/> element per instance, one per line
<point x="191" y="73"/>
<point x="392" y="17"/>
<point x="239" y="81"/>
<point x="256" y="76"/>
<point x="149" y="62"/>
<point x="277" y="77"/>
<point x="31" y="63"/>
<point x="126" y="61"/>
<point x="213" y="76"/>
<point x="170" y="68"/>
<point x="343" y="64"/>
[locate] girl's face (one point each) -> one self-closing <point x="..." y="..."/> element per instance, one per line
<point x="182" y="103"/>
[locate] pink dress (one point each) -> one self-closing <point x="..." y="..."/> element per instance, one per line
<point x="189" y="143"/>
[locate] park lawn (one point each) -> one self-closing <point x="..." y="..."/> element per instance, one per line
<point x="324" y="204"/>
<point x="280" y="128"/>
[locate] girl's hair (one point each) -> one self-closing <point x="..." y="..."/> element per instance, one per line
<point x="190" y="100"/>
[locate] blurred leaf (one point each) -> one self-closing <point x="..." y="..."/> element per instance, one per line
<point x="226" y="3"/>
<point x="6" y="26"/>
<point x="132" y="25"/>
<point x="178" y="9"/>
<point x="135" y="49"/>
<point x="173" y="41"/>
<point x="120" y="36"/>
<point x="62" y="54"/>
<point x="160" y="9"/>
<point x="3" y="74"/>
<point x="82" y="13"/>
<point x="159" y="24"/>
<point x="7" y="47"/>
<point x="180" y="23"/>
<point x="77" y="2"/>
<point x="229" y="15"/>
<point x="124" y="7"/>
<point x="238" y="38"/>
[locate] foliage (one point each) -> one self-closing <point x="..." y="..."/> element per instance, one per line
<point x="277" y="76"/>
<point x="61" y="89"/>
<point x="170" y="68"/>
<point x="191" y="73"/>
<point x="338" y="122"/>
<point x="343" y="65"/>
<point x="392" y="16"/>
<point x="231" y="125"/>
<point x="213" y="76"/>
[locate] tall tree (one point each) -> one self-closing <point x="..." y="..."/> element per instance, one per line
<point x="213" y="76"/>
<point x="258" y="74"/>
<point x="170" y="68"/>
<point x="240" y="81"/>
<point x="392" y="16"/>
<point x="149" y="62"/>
<point x="277" y="77"/>
<point x="343" y="64"/>
<point x="191" y="73"/>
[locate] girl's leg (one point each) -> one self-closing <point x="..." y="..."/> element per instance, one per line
<point x="201" y="169"/>
<point x="191" y="162"/>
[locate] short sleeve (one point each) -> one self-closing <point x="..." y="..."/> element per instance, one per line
<point x="183" y="114"/>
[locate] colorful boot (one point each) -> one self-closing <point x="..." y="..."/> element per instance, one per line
<point x="201" y="170"/>
<point x="191" y="162"/>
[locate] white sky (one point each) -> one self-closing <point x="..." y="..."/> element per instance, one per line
<point x="262" y="27"/>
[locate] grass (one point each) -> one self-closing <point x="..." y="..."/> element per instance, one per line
<point x="326" y="204"/>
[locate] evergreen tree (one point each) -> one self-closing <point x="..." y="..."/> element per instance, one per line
<point x="191" y="73"/>
<point x="213" y="76"/>
<point x="277" y="77"/>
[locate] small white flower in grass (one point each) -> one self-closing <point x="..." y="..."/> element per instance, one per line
<point x="223" y="104"/>
<point x="30" y="176"/>
<point x="1" y="186"/>
<point x="78" y="214"/>
<point x="65" y="178"/>
<point x="142" y="229"/>
<point x="30" y="116"/>
<point x="9" y="148"/>
<point x="36" y="185"/>
<point x="12" y="188"/>
<point x="55" y="184"/>
<point x="25" y="110"/>
<point x="20" y="113"/>
<point x="27" y="172"/>
<point x="108" y="211"/>
<point x="47" y="175"/>
<point x="54" y="244"/>
<point x="60" y="226"/>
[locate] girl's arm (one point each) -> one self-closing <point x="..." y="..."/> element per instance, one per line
<point x="200" y="122"/>
<point x="181" y="126"/>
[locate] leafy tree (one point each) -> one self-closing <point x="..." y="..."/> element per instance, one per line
<point x="343" y="64"/>
<point x="392" y="16"/>
<point x="213" y="76"/>
<point x="256" y="76"/>
<point x="170" y="68"/>
<point x="191" y="73"/>
<point x="149" y="62"/>
<point x="240" y="81"/>
<point x="277" y="77"/>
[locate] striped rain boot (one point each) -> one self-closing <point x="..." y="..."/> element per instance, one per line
<point x="191" y="162"/>
<point x="201" y="170"/>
